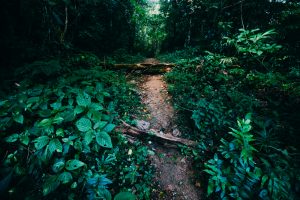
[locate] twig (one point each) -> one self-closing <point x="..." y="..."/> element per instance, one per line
<point x="62" y="37"/>
<point x="233" y="4"/>
<point x="242" y="20"/>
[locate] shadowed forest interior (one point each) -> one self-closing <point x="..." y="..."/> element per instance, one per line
<point x="150" y="99"/>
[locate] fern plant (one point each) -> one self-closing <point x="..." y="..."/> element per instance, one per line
<point x="254" y="42"/>
<point x="239" y="171"/>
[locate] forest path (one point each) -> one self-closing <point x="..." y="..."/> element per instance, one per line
<point x="173" y="171"/>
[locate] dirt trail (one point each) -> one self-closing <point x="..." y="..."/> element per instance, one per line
<point x="155" y="96"/>
<point x="173" y="171"/>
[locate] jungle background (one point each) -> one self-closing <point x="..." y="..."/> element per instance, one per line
<point x="234" y="85"/>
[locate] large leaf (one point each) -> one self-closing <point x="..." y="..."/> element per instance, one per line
<point x="78" y="109"/>
<point x="103" y="139"/>
<point x="50" y="185"/>
<point x="24" y="139"/>
<point x="83" y="100"/>
<point x="58" y="119"/>
<point x="12" y="138"/>
<point x="84" y="124"/>
<point x="125" y="196"/>
<point x="100" y="125"/>
<point x="65" y="177"/>
<point x="40" y="142"/>
<point x="56" y="105"/>
<point x="46" y="156"/>
<point x="88" y="137"/>
<point x="109" y="128"/>
<point x="74" y="164"/>
<point x="96" y="106"/>
<point x="104" y="193"/>
<point x="19" y="118"/>
<point x="45" y="122"/>
<point x="58" y="166"/>
<point x="68" y="115"/>
<point x="210" y="188"/>
<point x="78" y="145"/>
<point x="60" y="132"/>
<point x="55" y="145"/>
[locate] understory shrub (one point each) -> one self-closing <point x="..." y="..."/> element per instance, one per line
<point x="241" y="169"/>
<point x="257" y="161"/>
<point x="58" y="139"/>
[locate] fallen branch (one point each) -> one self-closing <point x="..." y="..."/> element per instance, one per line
<point x="133" y="131"/>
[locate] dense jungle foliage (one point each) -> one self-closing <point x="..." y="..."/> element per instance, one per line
<point x="235" y="87"/>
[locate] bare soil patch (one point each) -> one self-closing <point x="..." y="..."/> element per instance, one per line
<point x="155" y="96"/>
<point x="174" y="174"/>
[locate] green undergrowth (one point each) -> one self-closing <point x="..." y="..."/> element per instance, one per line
<point x="259" y="158"/>
<point x="59" y="138"/>
<point x="179" y="55"/>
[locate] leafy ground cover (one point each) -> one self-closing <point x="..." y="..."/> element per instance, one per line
<point x="58" y="138"/>
<point x="256" y="160"/>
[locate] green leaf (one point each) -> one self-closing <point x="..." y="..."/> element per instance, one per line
<point x="56" y="105"/>
<point x="84" y="124"/>
<point x="32" y="100"/>
<point x="99" y="87"/>
<point x="210" y="187"/>
<point x="74" y="164"/>
<point x="46" y="156"/>
<point x="96" y="115"/>
<point x="79" y="109"/>
<point x="83" y="100"/>
<point x="100" y="98"/>
<point x="50" y="185"/>
<point x="100" y="125"/>
<point x="88" y="137"/>
<point x="12" y="138"/>
<point x="3" y="103"/>
<point x="106" y="94"/>
<point x="44" y="113"/>
<point x="248" y="116"/>
<point x="58" y="119"/>
<point x="45" y="122"/>
<point x="40" y="142"/>
<point x="55" y="145"/>
<point x="104" y="194"/>
<point x="58" y="166"/>
<point x="68" y="115"/>
<point x="263" y="180"/>
<point x="209" y="172"/>
<point x="96" y="106"/>
<point x="60" y="132"/>
<point x="24" y="139"/>
<point x="65" y="177"/>
<point x="74" y="185"/>
<point x="103" y="139"/>
<point x="19" y="118"/>
<point x="125" y="196"/>
<point x="109" y="128"/>
<point x="78" y="145"/>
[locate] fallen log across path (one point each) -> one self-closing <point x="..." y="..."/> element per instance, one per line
<point x="142" y="67"/>
<point x="159" y="136"/>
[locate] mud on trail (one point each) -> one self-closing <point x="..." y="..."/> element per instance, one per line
<point x="174" y="174"/>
